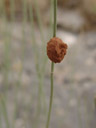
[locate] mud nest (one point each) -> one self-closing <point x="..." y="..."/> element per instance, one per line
<point x="56" y="50"/>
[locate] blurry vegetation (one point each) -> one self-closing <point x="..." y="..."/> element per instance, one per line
<point x="25" y="11"/>
<point x="9" y="11"/>
<point x="87" y="8"/>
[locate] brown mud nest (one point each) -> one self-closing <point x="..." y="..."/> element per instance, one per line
<point x="56" y="50"/>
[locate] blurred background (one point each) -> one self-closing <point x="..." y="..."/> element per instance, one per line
<point x="25" y="28"/>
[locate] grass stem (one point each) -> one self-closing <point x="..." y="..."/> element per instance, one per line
<point x="4" y="111"/>
<point x="52" y="65"/>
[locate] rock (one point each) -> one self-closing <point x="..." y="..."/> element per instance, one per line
<point x="20" y="123"/>
<point x="70" y="20"/>
<point x="89" y="7"/>
<point x="73" y="102"/>
<point x="69" y="3"/>
<point x="67" y="37"/>
<point x="90" y="40"/>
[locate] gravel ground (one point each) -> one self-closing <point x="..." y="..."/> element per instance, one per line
<point x="74" y="81"/>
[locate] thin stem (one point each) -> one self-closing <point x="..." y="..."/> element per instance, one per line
<point x="19" y="83"/>
<point x="41" y="95"/>
<point x="49" y="36"/>
<point x="4" y="111"/>
<point x="55" y="18"/>
<point x="12" y="6"/>
<point x="39" y="20"/>
<point x="0" y="116"/>
<point x="7" y="42"/>
<point x="51" y="96"/>
<point x="52" y="65"/>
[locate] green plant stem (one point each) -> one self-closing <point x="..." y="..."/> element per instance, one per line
<point x="12" y="7"/>
<point x="51" y="96"/>
<point x="0" y="115"/>
<point x="7" y="42"/>
<point x="36" y="58"/>
<point x="39" y="21"/>
<point x="55" y="18"/>
<point x="19" y="82"/>
<point x="50" y="31"/>
<point x="52" y="65"/>
<point x="4" y="111"/>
